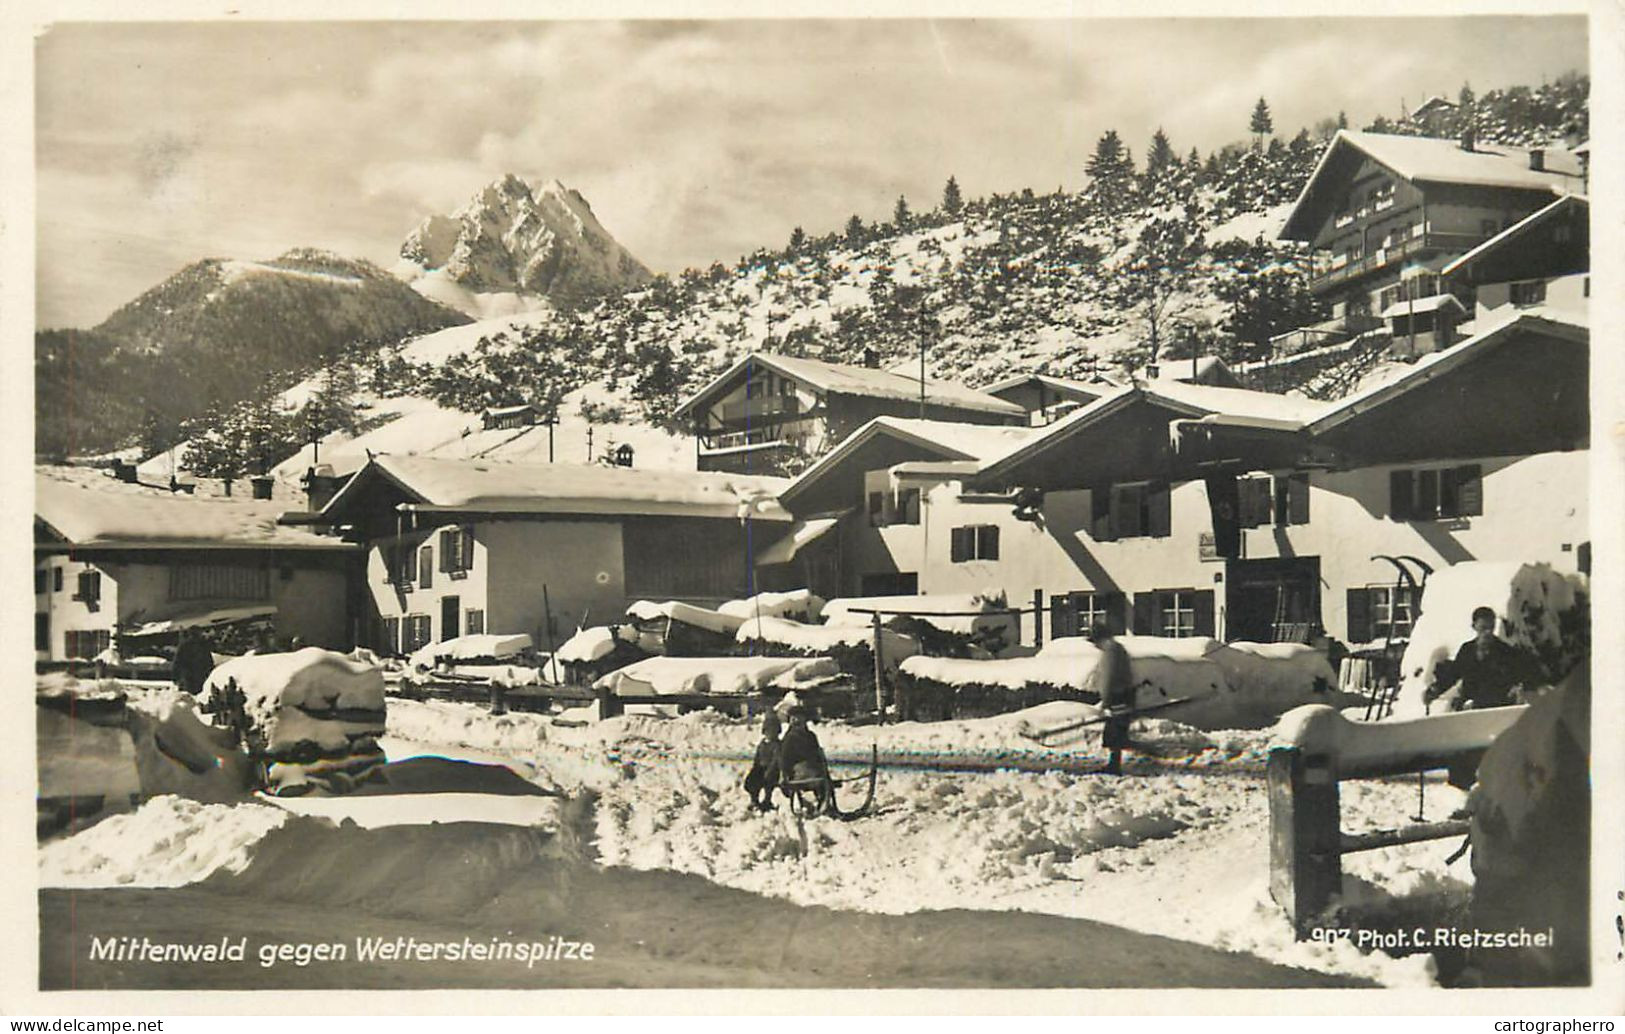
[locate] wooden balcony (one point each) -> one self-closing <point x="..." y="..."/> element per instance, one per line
<point x="1383" y="258"/>
<point x="761" y="407"/>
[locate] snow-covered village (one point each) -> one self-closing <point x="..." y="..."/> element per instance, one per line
<point x="1174" y="578"/>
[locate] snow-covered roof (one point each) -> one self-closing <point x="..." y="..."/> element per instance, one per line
<point x="1550" y="320"/>
<point x="1518" y="229"/>
<point x="948" y="440"/>
<point x="1238" y="402"/>
<point x="1434" y="102"/>
<point x="485" y="486"/>
<point x="1060" y="385"/>
<point x="125" y="516"/>
<point x="840" y="379"/>
<point x="1431" y="303"/>
<point x="1422" y="159"/>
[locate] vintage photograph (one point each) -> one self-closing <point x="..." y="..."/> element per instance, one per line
<point x="813" y="503"/>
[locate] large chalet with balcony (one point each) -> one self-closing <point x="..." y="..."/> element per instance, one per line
<point x="1385" y="215"/>
<point x="774" y="414"/>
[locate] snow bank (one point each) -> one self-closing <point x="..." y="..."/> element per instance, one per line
<point x="666" y="676"/>
<point x="798" y="605"/>
<point x="374" y="811"/>
<point x="1378" y="747"/>
<point x="176" y="753"/>
<point x="1538" y="608"/>
<point x="169" y="841"/>
<point x="80" y="759"/>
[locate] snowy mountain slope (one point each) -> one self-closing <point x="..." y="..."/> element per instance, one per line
<point x="512" y="245"/>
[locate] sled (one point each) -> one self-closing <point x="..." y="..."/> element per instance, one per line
<point x="815" y="798"/>
<point x="1039" y="736"/>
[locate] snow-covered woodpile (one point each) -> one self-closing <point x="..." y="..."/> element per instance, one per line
<point x="310" y="717"/>
<point x="851" y="647"/>
<point x="946" y="625"/>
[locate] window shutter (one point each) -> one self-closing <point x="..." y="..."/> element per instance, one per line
<point x="1427" y="493"/>
<point x="1359" y="608"/>
<point x="1063" y="617"/>
<point x="1145" y="613"/>
<point x="426" y="567"/>
<point x="446" y="538"/>
<point x="1162" y="518"/>
<point x="1202" y="606"/>
<point x="1297" y="494"/>
<point x="959" y="545"/>
<point x="987" y="542"/>
<point x="1100" y="514"/>
<point x="1469" y="490"/>
<point x="1401" y="506"/>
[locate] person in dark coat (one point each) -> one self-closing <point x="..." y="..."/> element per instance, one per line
<point x="193" y="662"/>
<point x="764" y="770"/>
<point x="1490" y="671"/>
<point x="800" y="756"/>
<point x="1113" y="681"/>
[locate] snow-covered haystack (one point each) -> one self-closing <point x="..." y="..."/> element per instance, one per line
<point x="169" y="841"/>
<point x="851" y="647"/>
<point x="1538" y="609"/>
<point x="795" y="605"/>
<point x="310" y="715"/>
<point x="676" y="629"/>
<point x="949" y="625"/>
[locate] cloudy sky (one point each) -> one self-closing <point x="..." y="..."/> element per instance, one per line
<point x="160" y="144"/>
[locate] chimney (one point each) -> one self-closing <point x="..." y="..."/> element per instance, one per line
<point x="1469" y="137"/>
<point x="1151" y="371"/>
<point x="871" y="358"/>
<point x="125" y="472"/>
<point x="321" y="485"/>
<point x="1537" y="159"/>
<point x="262" y="486"/>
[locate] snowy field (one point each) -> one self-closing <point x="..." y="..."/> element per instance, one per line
<point x="1177" y="847"/>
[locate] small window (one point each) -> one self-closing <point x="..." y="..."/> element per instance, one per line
<point x="1074" y="613"/>
<point x="56" y="579"/>
<point x="1528" y="292"/>
<point x="1175" y="613"/>
<point x="416" y="632"/>
<point x="85" y="645"/>
<point x="908" y="506"/>
<point x="389" y="640"/>
<point x="474" y="621"/>
<point x="90" y="587"/>
<point x="457" y="551"/>
<point x="1435" y="493"/>
<point x="974" y="542"/>
<point x="1132" y="511"/>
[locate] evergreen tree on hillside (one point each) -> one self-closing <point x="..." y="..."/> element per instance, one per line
<point x="901" y="217"/>
<point x="1261" y="125"/>
<point x="1465" y="98"/>
<point x="854" y="232"/>
<point x="1111" y="175"/>
<point x="1154" y="280"/>
<point x="798" y="241"/>
<point x="1193" y="163"/>
<point x="1342" y="120"/>
<point x="1159" y="156"/>
<point x="952" y="203"/>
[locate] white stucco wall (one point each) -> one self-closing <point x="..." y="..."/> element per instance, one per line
<point x="1534" y="510"/>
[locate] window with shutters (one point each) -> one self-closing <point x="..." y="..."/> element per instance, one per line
<point x="973" y="542"/>
<point x="1281" y="500"/>
<point x="218" y="582"/>
<point x="415" y="632"/>
<point x="1074" y="613"/>
<point x="1376" y="612"/>
<point x="1140" y="510"/>
<point x="1175" y="613"/>
<point x="90" y="588"/>
<point x="426" y="567"/>
<point x="908" y="506"/>
<point x="457" y="551"/>
<point x="1435" y="493"/>
<point x="1527" y="292"/>
<point x="400" y="565"/>
<point x="474" y="621"/>
<point x="56" y="579"/>
<point x="85" y="645"/>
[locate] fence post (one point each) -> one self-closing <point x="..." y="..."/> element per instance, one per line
<point x="1038" y="618"/>
<point x="880" y="674"/>
<point x="1306" y="865"/>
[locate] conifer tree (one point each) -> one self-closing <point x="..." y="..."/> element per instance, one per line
<point x="1111" y="174"/>
<point x="952" y="203"/>
<point x="1342" y="120"/>
<point x="1159" y="156"/>
<point x="900" y="214"/>
<point x="798" y="240"/>
<point x="854" y="231"/>
<point x="1261" y="125"/>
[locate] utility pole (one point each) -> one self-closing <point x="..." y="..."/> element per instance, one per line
<point x="924" y="316"/>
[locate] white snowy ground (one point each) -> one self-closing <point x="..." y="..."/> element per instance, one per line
<point x="1178" y="847"/>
